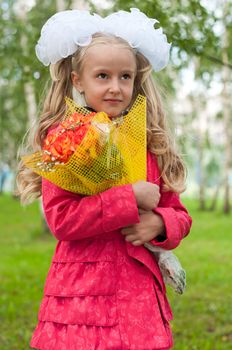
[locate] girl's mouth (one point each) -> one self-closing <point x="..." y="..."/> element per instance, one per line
<point x="113" y="101"/>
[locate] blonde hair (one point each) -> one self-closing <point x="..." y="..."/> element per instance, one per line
<point x="159" y="140"/>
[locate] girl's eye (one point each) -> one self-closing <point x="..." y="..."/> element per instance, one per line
<point x="102" y="76"/>
<point x="126" y="76"/>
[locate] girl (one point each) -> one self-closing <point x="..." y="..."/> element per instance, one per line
<point x="104" y="290"/>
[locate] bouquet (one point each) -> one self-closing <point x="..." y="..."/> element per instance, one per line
<point x="88" y="153"/>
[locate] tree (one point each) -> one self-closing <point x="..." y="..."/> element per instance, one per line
<point x="226" y="75"/>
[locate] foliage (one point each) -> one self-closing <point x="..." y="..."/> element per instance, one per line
<point x="187" y="24"/>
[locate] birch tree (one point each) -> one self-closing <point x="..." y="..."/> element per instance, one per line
<point x="227" y="118"/>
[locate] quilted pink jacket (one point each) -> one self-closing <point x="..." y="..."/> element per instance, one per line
<point x="100" y="284"/>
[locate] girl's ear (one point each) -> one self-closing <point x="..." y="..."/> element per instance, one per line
<point x="76" y="81"/>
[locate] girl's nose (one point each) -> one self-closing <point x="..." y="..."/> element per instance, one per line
<point x="114" y="86"/>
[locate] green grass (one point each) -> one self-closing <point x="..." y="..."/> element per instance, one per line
<point x="25" y="258"/>
<point x="202" y="316"/>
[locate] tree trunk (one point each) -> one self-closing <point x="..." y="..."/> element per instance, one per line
<point x="60" y="5"/>
<point x="202" y="185"/>
<point x="80" y="5"/>
<point x="197" y="106"/>
<point x="29" y="90"/>
<point x="31" y="103"/>
<point x="215" y="197"/>
<point x="226" y="116"/>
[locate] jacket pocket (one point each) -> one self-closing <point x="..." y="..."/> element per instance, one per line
<point x="81" y="279"/>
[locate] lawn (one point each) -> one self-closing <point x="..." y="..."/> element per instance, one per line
<point x="203" y="315"/>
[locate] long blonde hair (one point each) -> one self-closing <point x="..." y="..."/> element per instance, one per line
<point x="159" y="140"/>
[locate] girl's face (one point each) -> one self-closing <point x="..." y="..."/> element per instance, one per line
<point x="107" y="78"/>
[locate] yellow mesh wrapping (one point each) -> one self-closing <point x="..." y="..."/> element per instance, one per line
<point x="112" y="153"/>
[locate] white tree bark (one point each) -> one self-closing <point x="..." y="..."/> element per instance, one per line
<point x="197" y="108"/>
<point x="31" y="103"/>
<point x="226" y="114"/>
<point x="60" y="5"/>
<point x="75" y="5"/>
<point x="21" y="10"/>
<point x="80" y="5"/>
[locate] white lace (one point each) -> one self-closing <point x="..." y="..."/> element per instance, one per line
<point x="65" y="31"/>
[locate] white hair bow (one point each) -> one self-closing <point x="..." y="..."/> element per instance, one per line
<point x="65" y="31"/>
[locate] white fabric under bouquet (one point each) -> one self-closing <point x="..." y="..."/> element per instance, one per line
<point x="173" y="273"/>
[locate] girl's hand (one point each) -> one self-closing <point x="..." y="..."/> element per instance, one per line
<point x="147" y="194"/>
<point x="151" y="225"/>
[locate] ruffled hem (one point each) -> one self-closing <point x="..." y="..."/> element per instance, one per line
<point x="55" y="336"/>
<point x="85" y="310"/>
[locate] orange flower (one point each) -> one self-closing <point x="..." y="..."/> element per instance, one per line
<point x="62" y="141"/>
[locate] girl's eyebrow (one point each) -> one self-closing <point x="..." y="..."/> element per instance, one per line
<point x="129" y="70"/>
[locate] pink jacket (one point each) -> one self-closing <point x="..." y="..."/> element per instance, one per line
<point x="93" y="266"/>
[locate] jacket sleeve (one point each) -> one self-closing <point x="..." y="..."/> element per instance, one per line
<point x="71" y="216"/>
<point x="176" y="219"/>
